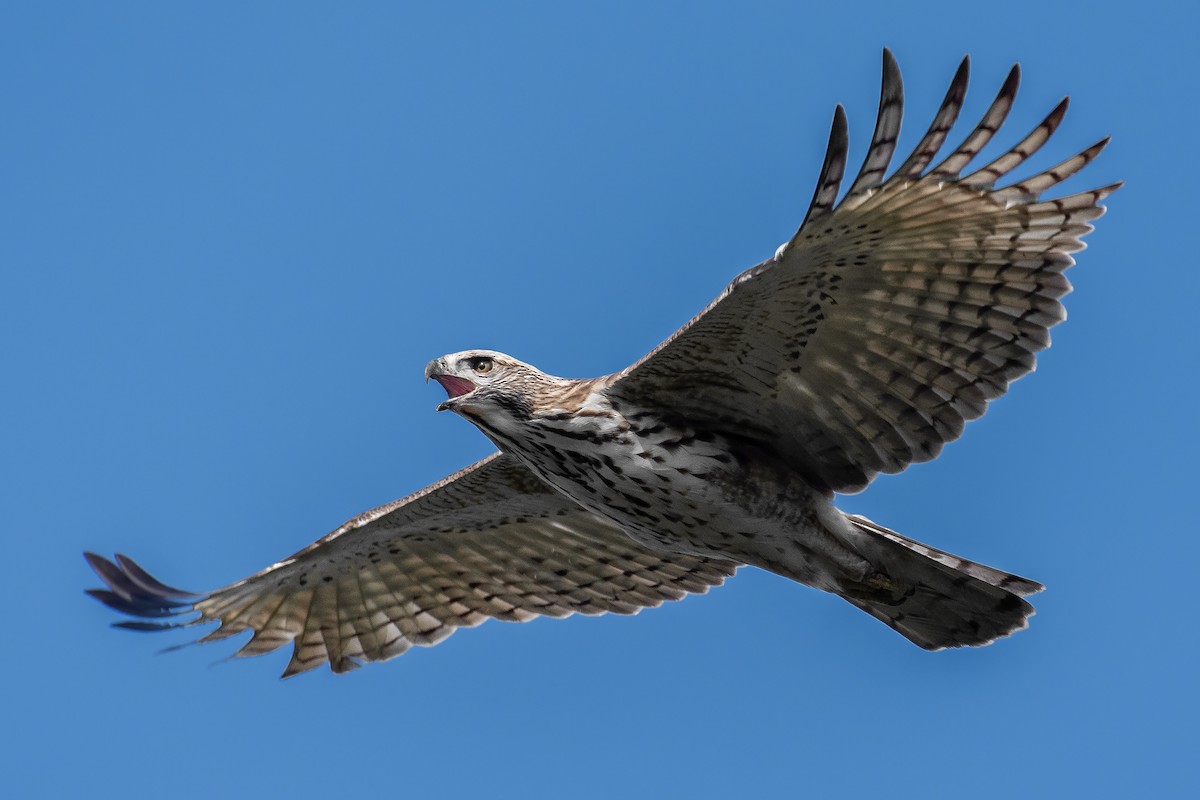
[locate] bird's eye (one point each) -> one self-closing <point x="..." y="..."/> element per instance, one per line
<point x="481" y="366"/>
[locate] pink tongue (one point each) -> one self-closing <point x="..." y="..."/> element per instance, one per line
<point x="454" y="385"/>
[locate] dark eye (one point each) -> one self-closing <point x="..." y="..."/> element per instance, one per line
<point x="481" y="366"/>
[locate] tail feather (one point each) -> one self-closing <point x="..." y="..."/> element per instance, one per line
<point x="1004" y="580"/>
<point x="937" y="600"/>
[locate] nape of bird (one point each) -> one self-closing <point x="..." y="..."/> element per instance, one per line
<point x="889" y="320"/>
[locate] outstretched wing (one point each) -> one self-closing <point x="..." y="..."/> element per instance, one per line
<point x="489" y="541"/>
<point x="892" y="318"/>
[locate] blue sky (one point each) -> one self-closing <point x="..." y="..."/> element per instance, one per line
<point x="233" y="236"/>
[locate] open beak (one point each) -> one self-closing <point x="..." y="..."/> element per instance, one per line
<point x="454" y="385"/>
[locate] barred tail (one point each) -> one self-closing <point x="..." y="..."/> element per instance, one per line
<point x="937" y="600"/>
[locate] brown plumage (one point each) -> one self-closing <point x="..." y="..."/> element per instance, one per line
<point x="886" y="323"/>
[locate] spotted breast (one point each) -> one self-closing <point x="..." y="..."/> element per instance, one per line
<point x="681" y="490"/>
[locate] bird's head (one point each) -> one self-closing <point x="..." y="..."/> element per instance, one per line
<point x="482" y="383"/>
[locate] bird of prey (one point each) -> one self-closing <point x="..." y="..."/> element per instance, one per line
<point x="890" y="319"/>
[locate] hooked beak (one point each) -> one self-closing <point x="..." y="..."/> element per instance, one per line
<point x="455" y="386"/>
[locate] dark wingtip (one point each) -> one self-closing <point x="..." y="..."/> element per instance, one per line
<point x="138" y="625"/>
<point x="131" y="590"/>
<point x="1012" y="81"/>
<point x="840" y="131"/>
<point x="112" y="575"/>
<point x="1056" y="116"/>
<point x="99" y="564"/>
<point x="138" y="606"/>
<point x="891" y="70"/>
<point x="962" y="76"/>
<point x="833" y="169"/>
<point x="148" y="581"/>
<point x="889" y="59"/>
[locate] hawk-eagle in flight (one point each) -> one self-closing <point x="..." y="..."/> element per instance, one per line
<point x="865" y="344"/>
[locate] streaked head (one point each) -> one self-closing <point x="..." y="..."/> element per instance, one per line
<point x="479" y="382"/>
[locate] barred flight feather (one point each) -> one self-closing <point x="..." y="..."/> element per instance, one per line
<point x="491" y="542"/>
<point x="893" y="317"/>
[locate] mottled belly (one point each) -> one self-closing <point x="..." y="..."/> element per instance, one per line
<point x="690" y="495"/>
<point x="684" y="491"/>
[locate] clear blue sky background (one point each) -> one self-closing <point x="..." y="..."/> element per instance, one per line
<point x="233" y="234"/>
